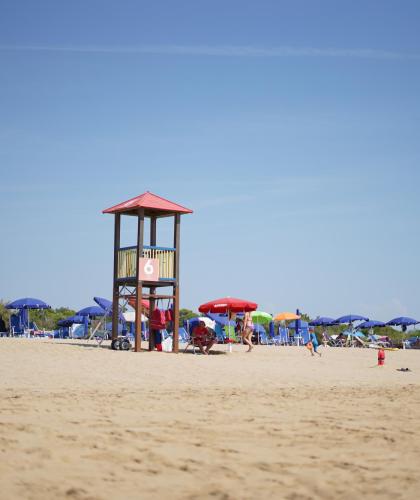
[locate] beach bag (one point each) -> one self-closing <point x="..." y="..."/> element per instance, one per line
<point x="158" y="320"/>
<point x="167" y="344"/>
<point x="169" y="315"/>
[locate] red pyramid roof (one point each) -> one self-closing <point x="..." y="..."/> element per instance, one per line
<point x="149" y="201"/>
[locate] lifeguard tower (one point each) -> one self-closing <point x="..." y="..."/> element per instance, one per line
<point x="141" y="267"/>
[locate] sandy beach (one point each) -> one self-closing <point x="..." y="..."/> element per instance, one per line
<point x="83" y="422"/>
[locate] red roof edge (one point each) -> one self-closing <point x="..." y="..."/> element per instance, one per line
<point x="120" y="207"/>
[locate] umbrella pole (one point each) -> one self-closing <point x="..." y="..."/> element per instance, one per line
<point x="228" y="329"/>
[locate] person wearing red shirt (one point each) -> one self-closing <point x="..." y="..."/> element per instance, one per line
<point x="202" y="338"/>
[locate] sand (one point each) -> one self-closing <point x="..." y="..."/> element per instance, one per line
<point x="83" y="422"/>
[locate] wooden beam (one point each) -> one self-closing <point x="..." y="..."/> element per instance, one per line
<point x="152" y="302"/>
<point x="177" y="233"/>
<point x="139" y="284"/>
<point x="115" y="286"/>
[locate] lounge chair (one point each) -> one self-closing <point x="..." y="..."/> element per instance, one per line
<point x="411" y="343"/>
<point x="327" y="340"/>
<point x="283" y="337"/>
<point x="375" y="340"/>
<point x="265" y="339"/>
<point x="191" y="341"/>
<point x="183" y="335"/>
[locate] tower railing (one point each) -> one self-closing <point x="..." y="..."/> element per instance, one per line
<point x="127" y="261"/>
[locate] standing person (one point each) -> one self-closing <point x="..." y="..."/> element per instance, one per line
<point x="313" y="344"/>
<point x="238" y="327"/>
<point x="247" y="330"/>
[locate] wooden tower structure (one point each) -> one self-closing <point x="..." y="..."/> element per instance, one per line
<point x="142" y="268"/>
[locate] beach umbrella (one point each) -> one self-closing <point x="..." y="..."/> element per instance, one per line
<point x="402" y="321"/>
<point x="24" y="305"/>
<point x="260" y="318"/>
<point x="350" y="318"/>
<point x="371" y="324"/>
<point x="228" y="305"/>
<point x="104" y="303"/>
<point x="286" y="316"/>
<point x="28" y="303"/>
<point x="71" y="320"/>
<point x="323" y="321"/>
<point x="221" y="319"/>
<point x="209" y="321"/>
<point x="145" y="304"/>
<point x="91" y="312"/>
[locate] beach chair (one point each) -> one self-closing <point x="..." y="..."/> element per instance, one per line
<point x="190" y="341"/>
<point x="283" y="337"/>
<point x="16" y="326"/>
<point x="327" y="340"/>
<point x="100" y="336"/>
<point x="411" y="343"/>
<point x="375" y="340"/>
<point x="265" y="339"/>
<point x="358" y="341"/>
<point x="183" y="335"/>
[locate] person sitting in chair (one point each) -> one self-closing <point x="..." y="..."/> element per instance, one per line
<point x="202" y="338"/>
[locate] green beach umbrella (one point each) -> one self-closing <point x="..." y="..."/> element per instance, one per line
<point x="261" y="317"/>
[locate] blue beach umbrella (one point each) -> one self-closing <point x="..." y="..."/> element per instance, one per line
<point x="91" y="311"/>
<point x="71" y="320"/>
<point x="323" y="321"/>
<point x="403" y="321"/>
<point x="24" y="305"/>
<point x="371" y="324"/>
<point x="75" y="319"/>
<point x="28" y="303"/>
<point x="104" y="303"/>
<point x="350" y="318"/>
<point x="107" y="308"/>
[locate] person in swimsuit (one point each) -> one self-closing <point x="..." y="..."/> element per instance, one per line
<point x="247" y="330"/>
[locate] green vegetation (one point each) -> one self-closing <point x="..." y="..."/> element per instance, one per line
<point x="47" y="319"/>
<point x="4" y="313"/>
<point x="185" y="314"/>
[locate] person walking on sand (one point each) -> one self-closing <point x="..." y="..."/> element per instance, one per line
<point x="248" y="330"/>
<point x="313" y="344"/>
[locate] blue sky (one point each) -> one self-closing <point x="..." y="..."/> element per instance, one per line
<point x="290" y="128"/>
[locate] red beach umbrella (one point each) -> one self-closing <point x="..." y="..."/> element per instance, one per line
<point x="228" y="304"/>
